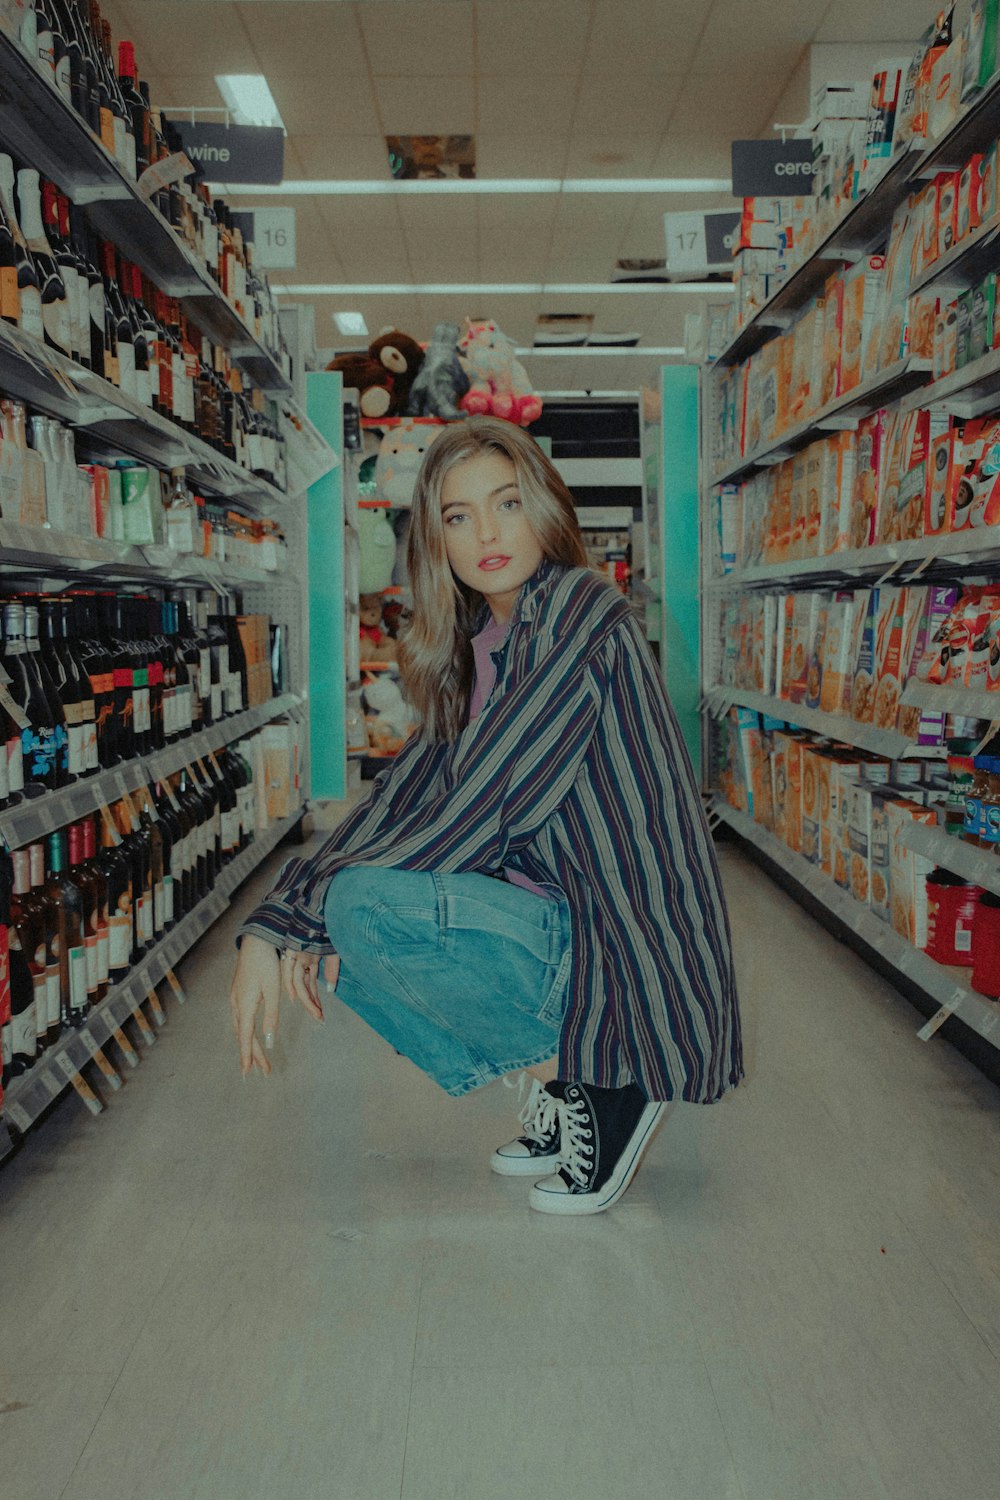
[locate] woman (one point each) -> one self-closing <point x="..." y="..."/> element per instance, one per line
<point x="531" y="885"/>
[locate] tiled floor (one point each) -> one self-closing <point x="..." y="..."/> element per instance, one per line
<point x="314" y="1289"/>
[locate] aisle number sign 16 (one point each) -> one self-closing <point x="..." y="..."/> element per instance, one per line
<point x="274" y="238"/>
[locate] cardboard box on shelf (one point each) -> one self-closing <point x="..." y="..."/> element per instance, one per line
<point x="817" y="651"/>
<point x="866" y="480"/>
<point x="980" y="59"/>
<point x="889" y="633"/>
<point x="861" y="286"/>
<point x="798" y="502"/>
<point x="880" y="128"/>
<point x="812" y="758"/>
<point x="844" y="771"/>
<point x="794" y="747"/>
<point x="908" y="872"/>
<point x="945" y="89"/>
<point x="838" y="665"/>
<point x="839" y="455"/>
<point x="833" y="327"/>
<point x="805" y="611"/>
<point x="813" y="502"/>
<point x="784" y="632"/>
<point x="281" y="768"/>
<point x="863" y="682"/>
<point x="967" y="213"/>
<point x="945" y="450"/>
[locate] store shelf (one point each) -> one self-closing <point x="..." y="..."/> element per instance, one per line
<point x="27" y="1097"/>
<point x="39" y="126"/>
<point x="979" y="545"/>
<point x="862" y="231"/>
<point x="34" y="818"/>
<point x="843" y="412"/>
<point x="108" y="421"/>
<point x="965" y="264"/>
<point x="952" y="853"/>
<point x="949" y="987"/>
<point x="38" y="548"/>
<point x="887" y="742"/>
<point x="969" y="392"/>
<point x="953" y="700"/>
<point x="977" y="128"/>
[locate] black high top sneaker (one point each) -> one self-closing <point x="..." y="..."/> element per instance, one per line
<point x="604" y="1134"/>
<point x="539" y="1116"/>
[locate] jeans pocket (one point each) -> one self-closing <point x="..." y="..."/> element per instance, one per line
<point x="554" y="1007"/>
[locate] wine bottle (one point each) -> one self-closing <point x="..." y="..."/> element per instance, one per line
<point x="77" y="873"/>
<point x="128" y="82"/>
<point x="28" y="917"/>
<point x="143" y="333"/>
<point x="182" y="848"/>
<point x="124" y="337"/>
<point x="65" y="682"/>
<point x="170" y="833"/>
<point x="74" y="275"/>
<point x="93" y="869"/>
<point x="67" y="900"/>
<point x="55" y="308"/>
<point x="149" y="822"/>
<point x="29" y="286"/>
<point x="50" y="956"/>
<point x="10" y="296"/>
<point x="95" y="314"/>
<point x="71" y="649"/>
<point x="39" y="742"/>
<point x="116" y="868"/>
<point x="18" y="1019"/>
<point x="98" y="668"/>
<point x="56" y="710"/>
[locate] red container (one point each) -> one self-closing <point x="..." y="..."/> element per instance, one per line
<point x="986" y="947"/>
<point x="951" y="909"/>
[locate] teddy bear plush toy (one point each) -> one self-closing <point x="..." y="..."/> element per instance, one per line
<point x="370" y="378"/>
<point x="401" y="357"/>
<point x="442" y="381"/>
<point x="400" y="454"/>
<point x="499" y="383"/>
<point x="376" y="643"/>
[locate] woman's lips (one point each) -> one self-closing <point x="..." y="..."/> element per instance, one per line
<point x="491" y="564"/>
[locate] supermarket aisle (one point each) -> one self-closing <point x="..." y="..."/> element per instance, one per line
<point x="316" y="1289"/>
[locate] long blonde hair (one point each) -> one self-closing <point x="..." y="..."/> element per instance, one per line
<point x="435" y="653"/>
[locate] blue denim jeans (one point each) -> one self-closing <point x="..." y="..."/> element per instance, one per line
<point x="465" y="975"/>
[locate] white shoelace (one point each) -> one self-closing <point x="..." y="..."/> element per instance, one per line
<point x="576" y="1146"/>
<point x="539" y="1112"/>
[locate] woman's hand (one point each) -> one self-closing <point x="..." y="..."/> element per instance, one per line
<point x="256" y="988"/>
<point x="300" y="976"/>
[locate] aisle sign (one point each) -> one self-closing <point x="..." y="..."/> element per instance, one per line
<point x="772" y="169"/>
<point x="233" y="153"/>
<point x="272" y="232"/>
<point x="701" y="241"/>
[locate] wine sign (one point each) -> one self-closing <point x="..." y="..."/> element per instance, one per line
<point x="232" y="153"/>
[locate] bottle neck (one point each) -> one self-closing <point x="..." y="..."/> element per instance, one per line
<point x="21" y="860"/>
<point x="30" y="200"/>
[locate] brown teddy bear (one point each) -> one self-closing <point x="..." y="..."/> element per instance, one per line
<point x="376" y="643"/>
<point x="401" y="356"/>
<point x="369" y="376"/>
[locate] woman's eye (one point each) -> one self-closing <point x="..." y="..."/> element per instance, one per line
<point x="450" y="520"/>
<point x="513" y="503"/>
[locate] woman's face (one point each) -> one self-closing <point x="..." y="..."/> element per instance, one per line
<point x="490" y="544"/>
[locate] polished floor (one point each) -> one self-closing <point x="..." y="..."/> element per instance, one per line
<point x="313" y="1288"/>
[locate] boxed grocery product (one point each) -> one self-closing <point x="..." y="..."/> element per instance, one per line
<point x="784" y="631"/>
<point x="988" y="183"/>
<point x="763" y="380"/>
<point x="810" y="843"/>
<point x="982" y="320"/>
<point x="833" y="314"/>
<point x="945" y="357"/>
<point x="798" y="501"/>
<point x="803" y="372"/>
<point x="779" y="529"/>
<point x="888" y="655"/>
<point x="967" y="215"/>
<point x="839" y="456"/>
<point x="863" y="682"/>
<point x="980" y="60"/>
<point x="827" y="759"/>
<point x="912" y="121"/>
<point x="770" y="639"/>
<point x="142" y="505"/>
<point x="931" y="649"/>
<point x="984" y="507"/>
<point x="813" y="500"/>
<point x="281" y="768"/>
<point x="805" y="611"/>
<point x="945" y="91"/>
<point x="908" y="475"/>
<point x="845" y="768"/>
<point x="794" y="748"/>
<point x="879" y="851"/>
<point x="890" y="339"/>
<point x="908" y="872"/>
<point x="817" y="648"/>
<point x="866" y="479"/>
<point x="945" y="470"/>
<point x="837" y="662"/>
<point x="861" y="794"/>
<point x="963" y="329"/>
<point x="880" y="129"/>
<point x="861" y="286"/>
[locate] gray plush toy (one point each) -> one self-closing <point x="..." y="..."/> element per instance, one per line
<point x="442" y="381"/>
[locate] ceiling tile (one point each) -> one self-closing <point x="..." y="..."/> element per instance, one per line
<point x="442" y="216"/>
<point x="530" y="103"/>
<point x="518" y="261"/>
<point x="426" y="105"/>
<point x="314" y="105"/>
<point x="683" y="154"/>
<point x="734" y="112"/>
<point x="509" y="215"/>
<point x="369" y="262"/>
<point x="403" y="38"/>
<point x="625" y="30"/>
<point x="861" y="21"/>
<point x="521" y="155"/>
<point x="641" y="104"/>
<point x="186" y="90"/>
<point x="299" y="37"/>
<point x="190" y="35"/>
<point x="374" y="218"/>
<point x="607" y="155"/>
<point x="338" y="156"/>
<point x="521" y="36"/>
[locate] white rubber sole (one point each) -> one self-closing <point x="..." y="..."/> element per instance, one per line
<point x="520" y="1166"/>
<point x="558" y="1201"/>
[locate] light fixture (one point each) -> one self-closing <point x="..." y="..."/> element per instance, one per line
<point x="502" y="289"/>
<point x="351" y="323"/>
<point x="389" y="187"/>
<point x="249" y="99"/>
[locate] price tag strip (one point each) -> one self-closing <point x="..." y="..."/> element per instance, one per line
<point x="107" y="1070"/>
<point x="159" y="1016"/>
<point x="949" y="1008"/>
<point x="176" y="986"/>
<point x="130" y="1054"/>
<point x="148" y="1034"/>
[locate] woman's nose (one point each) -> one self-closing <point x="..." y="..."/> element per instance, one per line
<point x="487" y="528"/>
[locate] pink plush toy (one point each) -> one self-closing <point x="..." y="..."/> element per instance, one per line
<point x="499" y="383"/>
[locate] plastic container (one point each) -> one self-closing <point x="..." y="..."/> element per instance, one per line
<point x="951" y="909"/>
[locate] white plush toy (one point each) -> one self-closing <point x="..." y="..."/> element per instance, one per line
<point x="393" y="717"/>
<point x="400" y="454"/>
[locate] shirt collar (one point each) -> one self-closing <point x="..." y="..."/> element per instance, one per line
<point x="530" y="597"/>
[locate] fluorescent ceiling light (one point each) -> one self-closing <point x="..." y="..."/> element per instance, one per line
<point x="249" y="99"/>
<point x="501" y="289"/>
<point x="597" y="350"/>
<point x="351" y="323"/>
<point x="388" y="187"/>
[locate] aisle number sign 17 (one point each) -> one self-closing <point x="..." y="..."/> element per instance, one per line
<point x="697" y="241"/>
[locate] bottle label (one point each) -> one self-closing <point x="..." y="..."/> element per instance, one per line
<point x="140" y="709"/>
<point x="216" y="700"/>
<point x="144" y="919"/>
<point x="55" y="322"/>
<point x="39" y="749"/>
<point x="119" y="942"/>
<point x="102" y="952"/>
<point x="77" y="750"/>
<point x="31" y="312"/>
<point x="40" y="987"/>
<point x="90" y="951"/>
<point x="77" y="957"/>
<point x="15" y="764"/>
<point x="107" y="132"/>
<point x="97" y="310"/>
<point x="53" y="989"/>
<point x="126" y="368"/>
<point x="10" y="297"/>
<point x="90" y="756"/>
<point x="168" y="900"/>
<point x="24" y="1033"/>
<point x="119" y="136"/>
<point x="62" y="746"/>
<point x="159" y="907"/>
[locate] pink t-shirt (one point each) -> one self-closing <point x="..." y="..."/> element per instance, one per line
<point x="490" y="639"/>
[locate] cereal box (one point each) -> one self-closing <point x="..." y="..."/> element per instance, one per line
<point x="979" y="62"/>
<point x="863" y="684"/>
<point x="984" y="640"/>
<point x="859" y="820"/>
<point x="797" y="506"/>
<point x="813" y="500"/>
<point x="844" y="772"/>
<point x="784" y="632"/>
<point x="817" y="647"/>
<point x="794" y="746"/>
<point x="983" y="313"/>
<point x="810" y="830"/>
<point x="880" y="129"/>
<point x="888" y="652"/>
<point x="945" y="359"/>
<point x="945" y="451"/>
<point x="826" y="762"/>
<point x="805" y="611"/>
<point x="865" y="489"/>
<point x="836" y="491"/>
<point x="862" y="282"/>
<point x="963" y="330"/>
<point x="967" y="217"/>
<point x="833" y="314"/>
<point x="908" y="872"/>
<point x="879" y="851"/>
<point x="984" y="508"/>
<point x="837" y="676"/>
<point x="988" y="183"/>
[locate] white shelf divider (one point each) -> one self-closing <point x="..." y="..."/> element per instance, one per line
<point x="953" y="700"/>
<point x="948" y="986"/>
<point x="887" y="742"/>
<point x="979" y="546"/>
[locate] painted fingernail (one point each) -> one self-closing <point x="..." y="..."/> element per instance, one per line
<point x="269" y="1041"/>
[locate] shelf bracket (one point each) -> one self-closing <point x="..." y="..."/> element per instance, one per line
<point x="91" y="415"/>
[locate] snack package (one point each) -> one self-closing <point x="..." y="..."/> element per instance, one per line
<point x="912" y="122"/>
<point x="837" y="679"/>
<point x="865" y="490"/>
<point x="881" y="125"/>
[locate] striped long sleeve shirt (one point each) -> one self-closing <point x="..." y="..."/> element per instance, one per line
<point x="576" y="775"/>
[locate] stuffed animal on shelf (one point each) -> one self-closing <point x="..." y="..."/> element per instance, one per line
<point x="401" y="357"/>
<point x="400" y="454"/>
<point x="377" y="543"/>
<point x="370" y="378"/>
<point x="499" y="383"/>
<point x="442" y="381"/>
<point x="390" y="718"/>
<point x="376" y="643"/>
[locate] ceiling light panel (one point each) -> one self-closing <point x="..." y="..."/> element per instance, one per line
<point x="248" y="98"/>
